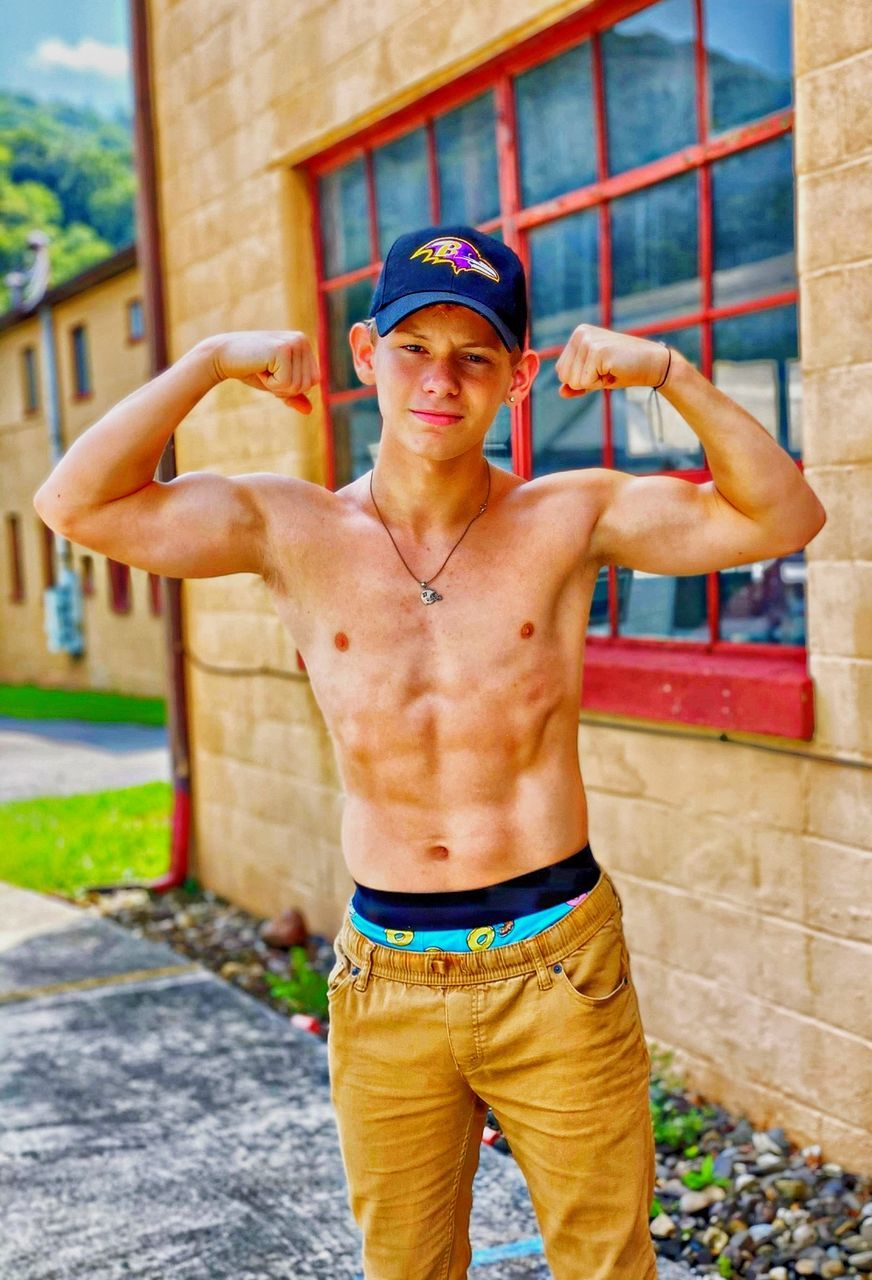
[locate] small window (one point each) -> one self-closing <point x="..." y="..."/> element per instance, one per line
<point x="155" y="598"/>
<point x="81" y="362"/>
<point x="48" y="553"/>
<point x="15" y="559"/>
<point x="87" y="572"/>
<point x="31" y="380"/>
<point x="135" y="321"/>
<point x="119" y="586"/>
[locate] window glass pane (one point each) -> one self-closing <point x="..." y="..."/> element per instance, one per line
<point x="344" y="218"/>
<point x="466" y="151"/>
<point x="654" y="604"/>
<point x="752" y="212"/>
<point x="356" y="432"/>
<point x="648" y="66"/>
<point x="345" y="306"/>
<point x="556" y="139"/>
<point x="598" y="619"/>
<point x="564" y="277"/>
<point x="748" y="51"/>
<point x="82" y="372"/>
<point x="636" y="422"/>
<point x="654" y="252"/>
<point x="402" y="185"/>
<point x="756" y="362"/>
<point x="764" y="603"/>
<point x="31" y="388"/>
<point x="498" y="441"/>
<point x="566" y="432"/>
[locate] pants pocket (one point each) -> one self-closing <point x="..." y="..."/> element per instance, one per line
<point x="597" y="971"/>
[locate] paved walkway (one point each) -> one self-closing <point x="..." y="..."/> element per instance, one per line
<point x="156" y="1121"/>
<point x="69" y="757"/>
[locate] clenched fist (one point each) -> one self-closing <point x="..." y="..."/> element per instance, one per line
<point x="277" y="360"/>
<point x="596" y="358"/>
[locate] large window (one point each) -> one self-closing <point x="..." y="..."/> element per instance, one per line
<point x="644" y="173"/>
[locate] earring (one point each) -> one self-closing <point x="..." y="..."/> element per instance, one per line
<point x="511" y="399"/>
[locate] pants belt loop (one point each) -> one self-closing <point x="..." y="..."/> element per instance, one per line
<point x="533" y="951"/>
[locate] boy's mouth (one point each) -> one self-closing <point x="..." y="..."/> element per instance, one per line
<point x="437" y="419"/>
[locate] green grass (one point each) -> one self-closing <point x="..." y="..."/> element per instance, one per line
<point x="64" y="844"/>
<point x="30" y="702"/>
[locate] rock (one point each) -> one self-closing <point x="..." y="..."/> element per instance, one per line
<point x="715" y="1239"/>
<point x="806" y="1267"/>
<point x="662" y="1226"/>
<point x="760" y="1232"/>
<point x="792" y="1188"/>
<point x="693" y="1202"/>
<point x="286" y="930"/>
<point x="724" y="1160"/>
<point x="832" y="1267"/>
<point x="862" y="1261"/>
<point x="854" y="1244"/>
<point x="778" y="1273"/>
<point x="804" y="1235"/>
<point x="762" y="1142"/>
<point x="744" y="1181"/>
<point x="866" y="1227"/>
<point x="831" y="1170"/>
<point x="771" y="1160"/>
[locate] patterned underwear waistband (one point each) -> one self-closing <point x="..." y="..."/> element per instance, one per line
<point x="475" y="919"/>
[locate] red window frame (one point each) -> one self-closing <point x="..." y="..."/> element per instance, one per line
<point x="155" y="597"/>
<point x="762" y="688"/>
<point x="16" y="558"/>
<point x="120" y="594"/>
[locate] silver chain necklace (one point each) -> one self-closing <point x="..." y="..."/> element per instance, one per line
<point x="428" y="594"/>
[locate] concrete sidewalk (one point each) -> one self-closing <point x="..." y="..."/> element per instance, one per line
<point x="159" y="1122"/>
<point x="70" y="757"/>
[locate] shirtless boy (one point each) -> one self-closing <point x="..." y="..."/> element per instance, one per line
<point x="441" y="607"/>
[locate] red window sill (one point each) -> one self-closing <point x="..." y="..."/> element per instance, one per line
<point x="757" y="693"/>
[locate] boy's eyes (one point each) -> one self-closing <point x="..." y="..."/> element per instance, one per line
<point x="408" y="346"/>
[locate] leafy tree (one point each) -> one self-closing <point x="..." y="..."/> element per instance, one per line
<point x="67" y="171"/>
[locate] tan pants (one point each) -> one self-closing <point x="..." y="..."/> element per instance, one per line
<point x="546" y="1032"/>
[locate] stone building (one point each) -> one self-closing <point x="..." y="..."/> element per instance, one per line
<point x="94" y="323"/>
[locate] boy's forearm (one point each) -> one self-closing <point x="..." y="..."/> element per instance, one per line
<point x="120" y="453"/>
<point x="749" y="467"/>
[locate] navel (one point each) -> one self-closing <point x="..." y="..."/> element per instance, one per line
<point x="341" y="640"/>
<point x="527" y="630"/>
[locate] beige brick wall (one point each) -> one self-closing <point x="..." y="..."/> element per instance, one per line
<point x="744" y="866"/>
<point x="123" y="652"/>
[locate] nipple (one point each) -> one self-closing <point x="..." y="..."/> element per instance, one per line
<point x="341" y="640"/>
<point x="527" y="630"/>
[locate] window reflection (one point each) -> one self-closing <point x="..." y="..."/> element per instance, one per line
<point x="556" y="132"/>
<point x="638" y="420"/>
<point x="648" y="64"/>
<point x="654" y="252"/>
<point x="498" y="441"/>
<point x="661" y="605"/>
<point x="356" y="433"/>
<point x="752" y="217"/>
<point x="748" y="52"/>
<point x="598" y="621"/>
<point x="344" y="225"/>
<point x="764" y="602"/>
<point x="564" y="277"/>
<point x="465" y="146"/>
<point x="402" y="184"/>
<point x="756" y="364"/>
<point x="567" y="433"/>
<point x="344" y="308"/>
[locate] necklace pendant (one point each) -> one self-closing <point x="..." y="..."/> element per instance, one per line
<point x="429" y="595"/>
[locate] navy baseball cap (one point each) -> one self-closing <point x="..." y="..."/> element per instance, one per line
<point x="453" y="263"/>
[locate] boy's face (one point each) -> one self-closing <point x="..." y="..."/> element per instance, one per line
<point x="441" y="376"/>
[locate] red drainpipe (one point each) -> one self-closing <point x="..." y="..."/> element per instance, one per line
<point x="149" y="257"/>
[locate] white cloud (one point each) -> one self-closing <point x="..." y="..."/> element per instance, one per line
<point x="88" y="55"/>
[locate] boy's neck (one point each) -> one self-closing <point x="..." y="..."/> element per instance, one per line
<point x="426" y="497"/>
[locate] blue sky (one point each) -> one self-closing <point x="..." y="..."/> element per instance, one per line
<point x="73" y="50"/>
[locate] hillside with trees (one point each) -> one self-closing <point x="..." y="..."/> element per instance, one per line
<point x="67" y="171"/>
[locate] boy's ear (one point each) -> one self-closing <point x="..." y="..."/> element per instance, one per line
<point x="362" y="352"/>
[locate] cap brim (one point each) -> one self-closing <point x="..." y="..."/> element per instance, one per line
<point x="391" y="315"/>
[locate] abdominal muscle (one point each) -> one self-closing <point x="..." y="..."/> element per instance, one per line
<point x="441" y="816"/>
